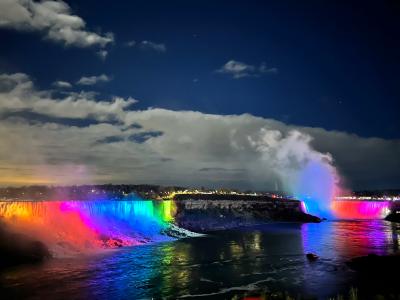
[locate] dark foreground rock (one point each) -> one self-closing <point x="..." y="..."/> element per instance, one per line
<point x="312" y="256"/>
<point x="18" y="249"/>
<point x="377" y="275"/>
<point x="375" y="265"/>
<point x="393" y="217"/>
<point x="211" y="215"/>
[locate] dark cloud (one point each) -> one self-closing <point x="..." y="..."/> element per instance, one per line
<point x="34" y="117"/>
<point x="142" y="137"/>
<point x="110" y="140"/>
<point x="220" y="170"/>
<point x="133" y="126"/>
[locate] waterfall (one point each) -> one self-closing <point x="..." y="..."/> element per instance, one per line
<point x="353" y="209"/>
<point x="81" y="226"/>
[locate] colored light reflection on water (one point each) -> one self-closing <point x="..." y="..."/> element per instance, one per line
<point x="349" y="238"/>
<point x="85" y="225"/>
<point x="218" y="266"/>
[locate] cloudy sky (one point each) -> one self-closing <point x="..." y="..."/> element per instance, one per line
<point x="242" y="94"/>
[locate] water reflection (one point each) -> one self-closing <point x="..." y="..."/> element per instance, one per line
<point x="395" y="228"/>
<point x="219" y="265"/>
<point x="349" y="238"/>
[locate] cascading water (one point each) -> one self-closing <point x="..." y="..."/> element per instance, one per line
<point x="81" y="226"/>
<point x="353" y="209"/>
<point x="316" y="187"/>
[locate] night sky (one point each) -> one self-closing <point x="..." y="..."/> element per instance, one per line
<point x="327" y="68"/>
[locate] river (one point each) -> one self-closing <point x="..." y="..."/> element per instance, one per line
<point x="270" y="257"/>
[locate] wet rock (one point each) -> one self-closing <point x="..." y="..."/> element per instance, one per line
<point x="393" y="217"/>
<point x="18" y="249"/>
<point x="312" y="256"/>
<point x="111" y="242"/>
<point x="378" y="274"/>
<point x="375" y="264"/>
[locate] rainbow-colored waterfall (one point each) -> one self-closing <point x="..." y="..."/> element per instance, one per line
<point x="68" y="226"/>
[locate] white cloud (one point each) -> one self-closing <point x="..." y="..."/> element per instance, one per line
<point x="153" y="46"/>
<point x="239" y="69"/>
<point x="54" y="19"/>
<point x="17" y="93"/>
<point x="263" y="68"/>
<point x="91" y="80"/>
<point x="176" y="147"/>
<point x="147" y="45"/>
<point x="62" y="84"/>
<point x="102" y="54"/>
<point x="131" y="43"/>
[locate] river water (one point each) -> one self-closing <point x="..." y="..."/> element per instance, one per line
<point x="220" y="265"/>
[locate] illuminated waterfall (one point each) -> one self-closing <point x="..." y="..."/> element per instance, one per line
<point x="77" y="226"/>
<point x="353" y="209"/>
<point x="316" y="187"/>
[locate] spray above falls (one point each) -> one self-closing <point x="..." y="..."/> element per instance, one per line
<point x="303" y="172"/>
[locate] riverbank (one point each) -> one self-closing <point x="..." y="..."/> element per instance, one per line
<point x="393" y="217"/>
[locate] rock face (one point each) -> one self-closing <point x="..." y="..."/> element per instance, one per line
<point x="375" y="264"/>
<point x="393" y="217"/>
<point x="230" y="211"/>
<point x="377" y="275"/>
<point x="18" y="249"/>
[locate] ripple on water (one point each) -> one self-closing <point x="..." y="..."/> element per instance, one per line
<point x="269" y="257"/>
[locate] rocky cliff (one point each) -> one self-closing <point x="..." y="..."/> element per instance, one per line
<point x="204" y="213"/>
<point x="394" y="215"/>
